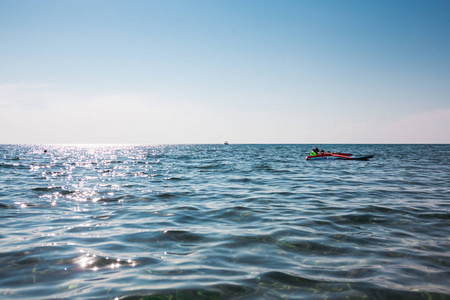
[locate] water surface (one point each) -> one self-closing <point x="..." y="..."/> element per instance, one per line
<point x="224" y="222"/>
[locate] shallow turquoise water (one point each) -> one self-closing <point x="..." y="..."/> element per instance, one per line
<point x="224" y="222"/>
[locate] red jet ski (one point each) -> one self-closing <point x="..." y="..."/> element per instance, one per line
<point x="337" y="155"/>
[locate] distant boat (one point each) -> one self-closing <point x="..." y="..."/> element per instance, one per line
<point x="225" y="143"/>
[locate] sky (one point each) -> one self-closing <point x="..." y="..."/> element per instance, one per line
<point x="206" y="71"/>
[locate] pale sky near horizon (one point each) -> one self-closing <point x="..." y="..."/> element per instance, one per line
<point x="253" y="71"/>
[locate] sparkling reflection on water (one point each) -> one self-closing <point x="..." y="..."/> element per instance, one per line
<point x="220" y="222"/>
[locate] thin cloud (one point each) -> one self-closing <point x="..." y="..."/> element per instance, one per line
<point x="426" y="127"/>
<point x="26" y="96"/>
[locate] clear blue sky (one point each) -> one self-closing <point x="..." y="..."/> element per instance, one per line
<point x="254" y="71"/>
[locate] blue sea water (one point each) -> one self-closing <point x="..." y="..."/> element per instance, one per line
<point x="224" y="222"/>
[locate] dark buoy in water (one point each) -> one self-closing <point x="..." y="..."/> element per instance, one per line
<point x="45" y="151"/>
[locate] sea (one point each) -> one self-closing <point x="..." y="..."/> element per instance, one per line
<point x="224" y="222"/>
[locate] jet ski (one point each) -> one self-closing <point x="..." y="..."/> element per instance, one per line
<point x="337" y="155"/>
